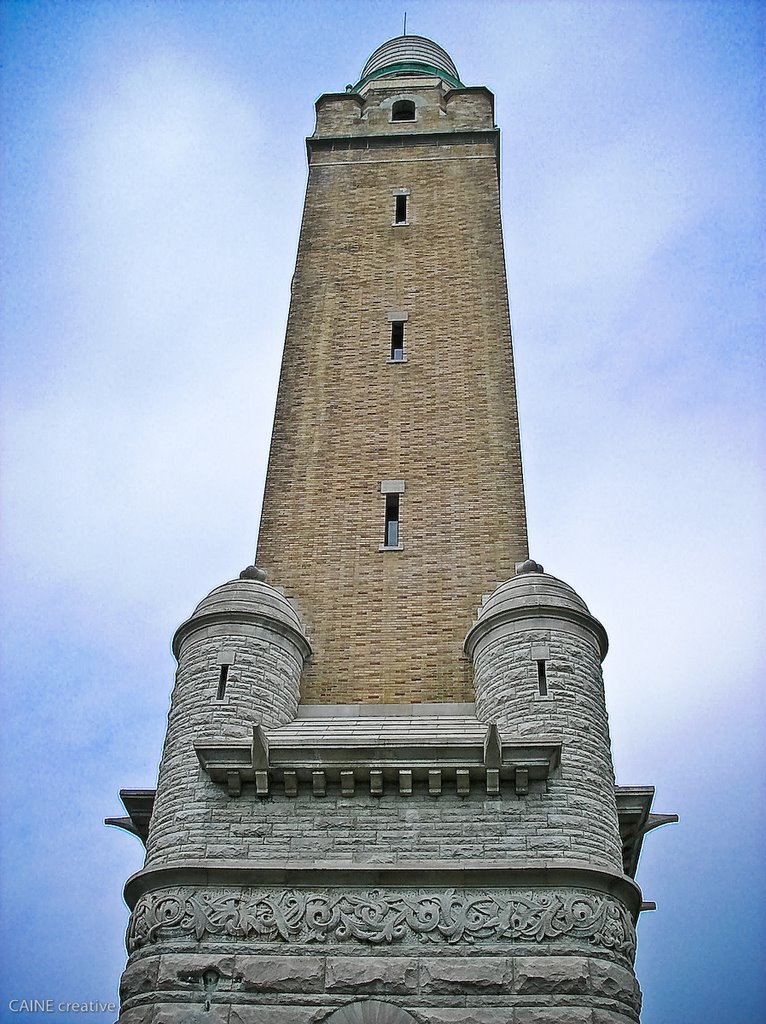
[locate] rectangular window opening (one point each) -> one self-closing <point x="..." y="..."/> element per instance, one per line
<point x="391" y="536"/>
<point x="542" y="679"/>
<point x="400" y="217"/>
<point x="397" y="340"/>
<point x="222" y="680"/>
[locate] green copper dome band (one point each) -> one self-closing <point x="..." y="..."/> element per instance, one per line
<point x="408" y="67"/>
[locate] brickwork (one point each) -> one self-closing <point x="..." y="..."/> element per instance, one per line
<point x="388" y="626"/>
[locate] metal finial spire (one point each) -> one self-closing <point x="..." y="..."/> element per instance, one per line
<point x="405" y="24"/>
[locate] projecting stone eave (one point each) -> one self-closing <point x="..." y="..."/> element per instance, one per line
<point x="139" y="804"/>
<point x="636" y="819"/>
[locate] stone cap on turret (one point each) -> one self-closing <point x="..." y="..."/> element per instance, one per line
<point x="246" y="599"/>
<point x="534" y="594"/>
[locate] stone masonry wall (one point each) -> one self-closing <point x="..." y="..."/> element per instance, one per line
<point x="459" y="986"/>
<point x="563" y="823"/>
<point x="262" y="686"/>
<point x="388" y="626"/>
<point x="507" y="692"/>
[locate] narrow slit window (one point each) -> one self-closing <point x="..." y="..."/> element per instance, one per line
<point x="403" y="110"/>
<point x="223" y="678"/>
<point x="391" y="537"/>
<point x="400" y="215"/>
<point x="542" y="679"/>
<point x="397" y="340"/>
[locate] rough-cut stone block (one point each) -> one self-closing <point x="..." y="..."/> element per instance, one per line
<point x="464" y="1015"/>
<point x="615" y="982"/>
<point x="393" y="975"/>
<point x="546" y="975"/>
<point x="275" y="1015"/>
<point x="614" y="1017"/>
<point x="191" y="1013"/>
<point x="140" y="976"/>
<point x="138" y="1015"/>
<point x="281" y="974"/>
<point x="552" y="1015"/>
<point x="182" y="970"/>
<point x="466" y="975"/>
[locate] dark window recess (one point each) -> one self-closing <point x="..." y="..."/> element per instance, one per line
<point x="222" y="680"/>
<point x="401" y="210"/>
<point x="397" y="340"/>
<point x="403" y="110"/>
<point x="542" y="679"/>
<point x="392" y="521"/>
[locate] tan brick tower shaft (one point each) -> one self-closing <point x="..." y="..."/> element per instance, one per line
<point x="397" y="389"/>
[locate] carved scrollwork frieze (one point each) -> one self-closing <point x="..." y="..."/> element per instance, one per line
<point x="378" y="917"/>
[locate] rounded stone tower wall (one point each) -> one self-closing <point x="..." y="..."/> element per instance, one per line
<point x="240" y="657"/>
<point x="537" y="653"/>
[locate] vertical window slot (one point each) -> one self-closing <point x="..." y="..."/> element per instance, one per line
<point x="397" y="340"/>
<point x="542" y="679"/>
<point x="400" y="214"/>
<point x="391" y="537"/>
<point x="222" y="680"/>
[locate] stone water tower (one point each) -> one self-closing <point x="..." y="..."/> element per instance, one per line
<point x="386" y="792"/>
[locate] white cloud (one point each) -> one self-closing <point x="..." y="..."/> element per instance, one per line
<point x="150" y="421"/>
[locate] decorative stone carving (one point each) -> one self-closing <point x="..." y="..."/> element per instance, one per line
<point x="377" y="917"/>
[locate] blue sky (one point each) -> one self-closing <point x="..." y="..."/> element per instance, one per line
<point x="152" y="182"/>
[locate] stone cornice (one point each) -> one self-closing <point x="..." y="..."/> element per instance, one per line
<point x="530" y="612"/>
<point x="254" y="618"/>
<point x="369" y="765"/>
<point x="431" y="874"/>
<point x="316" y="143"/>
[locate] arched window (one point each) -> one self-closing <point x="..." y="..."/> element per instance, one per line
<point x="403" y="110"/>
<point x="371" y="1011"/>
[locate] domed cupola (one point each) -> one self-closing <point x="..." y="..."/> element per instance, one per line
<point x="406" y="56"/>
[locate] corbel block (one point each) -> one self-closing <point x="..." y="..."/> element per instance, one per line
<point x="522" y="781"/>
<point x="376" y="782"/>
<point x="291" y="783"/>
